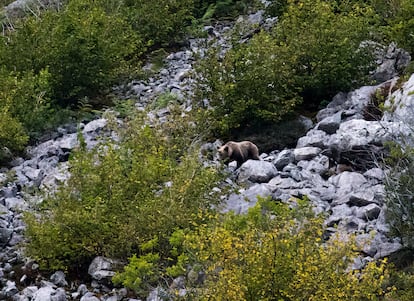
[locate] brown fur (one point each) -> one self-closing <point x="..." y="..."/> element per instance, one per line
<point x="238" y="151"/>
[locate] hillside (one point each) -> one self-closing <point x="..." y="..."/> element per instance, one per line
<point x="112" y="112"/>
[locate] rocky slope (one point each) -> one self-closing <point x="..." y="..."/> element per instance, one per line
<point x="333" y="165"/>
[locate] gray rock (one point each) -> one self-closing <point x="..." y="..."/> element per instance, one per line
<point x="28" y="292"/>
<point x="318" y="165"/>
<point x="89" y="297"/>
<point x="34" y="175"/>
<point x="306" y="153"/>
<point x="59" y="278"/>
<point x="280" y="182"/>
<point x="352" y="224"/>
<point x="393" y="60"/>
<point x="82" y="289"/>
<point x="5" y="235"/>
<point x="330" y="124"/>
<point x="375" y="174"/>
<point x="67" y="142"/>
<point x="256" y="171"/>
<point x="9" y="191"/>
<point x="44" y="294"/>
<point x="385" y="249"/>
<point x="15" y="239"/>
<point x="327" y="112"/>
<point x="102" y="269"/>
<point x="338" y="213"/>
<point x="366" y="243"/>
<point x="306" y="122"/>
<point x="10" y="289"/>
<point x="362" y="198"/>
<point x="157" y="294"/>
<point x="315" y="138"/>
<point x="369" y="212"/>
<point x="95" y="125"/>
<point x="348" y="181"/>
<point x="401" y="104"/>
<point x="15" y="203"/>
<point x="381" y="224"/>
<point x="58" y="295"/>
<point x="178" y="283"/>
<point x="245" y="199"/>
<point x="361" y="133"/>
<point x="337" y="101"/>
<point x="283" y="158"/>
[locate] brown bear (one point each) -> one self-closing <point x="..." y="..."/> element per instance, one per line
<point x="238" y="151"/>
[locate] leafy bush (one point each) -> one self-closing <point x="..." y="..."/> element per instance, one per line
<point x="249" y="86"/>
<point x="13" y="137"/>
<point x="327" y="45"/>
<point x="207" y="9"/>
<point x="277" y="253"/>
<point x="276" y="8"/>
<point x="312" y="53"/>
<point x="83" y="46"/>
<point x="25" y="107"/>
<point x="401" y="24"/>
<point x="159" y="22"/>
<point x="122" y="196"/>
<point x="399" y="193"/>
<point x="165" y="99"/>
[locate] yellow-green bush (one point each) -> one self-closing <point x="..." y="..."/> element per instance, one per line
<point x="277" y="253"/>
<point x="12" y="134"/>
<point x="25" y="107"/>
<point x="120" y="196"/>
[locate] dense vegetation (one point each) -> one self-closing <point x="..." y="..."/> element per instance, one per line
<point x="74" y="53"/>
<point x="316" y="49"/>
<point x="123" y="195"/>
<point x="147" y="197"/>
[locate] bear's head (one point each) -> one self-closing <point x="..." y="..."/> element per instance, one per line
<point x="224" y="152"/>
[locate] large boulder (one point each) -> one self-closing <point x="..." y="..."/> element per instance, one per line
<point x="359" y="142"/>
<point x="256" y="171"/>
<point x="243" y="200"/>
<point x="401" y="104"/>
<point x="102" y="269"/>
<point x="392" y="61"/>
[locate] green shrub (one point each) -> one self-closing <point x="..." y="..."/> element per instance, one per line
<point x="83" y="46"/>
<point x="159" y="22"/>
<point x="277" y="253"/>
<point x="399" y="193"/>
<point x="311" y="54"/>
<point x="401" y="24"/>
<point x="13" y="137"/>
<point x="249" y="86"/>
<point x="276" y="8"/>
<point x="165" y="99"/>
<point x="208" y="9"/>
<point x="327" y="45"/>
<point x="121" y="196"/>
<point x="25" y="106"/>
